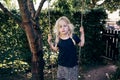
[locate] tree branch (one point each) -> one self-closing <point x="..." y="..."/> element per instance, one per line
<point x="15" y="18"/>
<point x="31" y="7"/>
<point x="25" y="13"/>
<point x="31" y="10"/>
<point x="39" y="8"/>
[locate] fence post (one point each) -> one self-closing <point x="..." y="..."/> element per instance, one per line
<point x="112" y="44"/>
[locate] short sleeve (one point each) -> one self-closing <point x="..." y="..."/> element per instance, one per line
<point x="76" y="38"/>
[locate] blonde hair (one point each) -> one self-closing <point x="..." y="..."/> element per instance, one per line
<point x="57" y="25"/>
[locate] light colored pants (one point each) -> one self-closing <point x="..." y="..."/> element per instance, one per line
<point x="65" y="73"/>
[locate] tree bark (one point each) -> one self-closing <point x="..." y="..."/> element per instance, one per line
<point x="34" y="37"/>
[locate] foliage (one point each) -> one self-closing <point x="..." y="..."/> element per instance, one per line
<point x="14" y="50"/>
<point x="111" y="5"/>
<point x="116" y="75"/>
<point x="93" y="22"/>
<point x="118" y="23"/>
<point x="63" y="7"/>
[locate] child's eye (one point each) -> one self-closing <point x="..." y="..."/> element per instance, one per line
<point x="60" y="26"/>
<point x="65" y="25"/>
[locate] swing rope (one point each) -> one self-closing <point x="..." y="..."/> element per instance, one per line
<point x="50" y="32"/>
<point x="81" y="25"/>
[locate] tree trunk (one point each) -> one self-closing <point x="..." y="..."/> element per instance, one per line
<point x="38" y="65"/>
<point x="31" y="27"/>
<point x="35" y="41"/>
<point x="30" y="24"/>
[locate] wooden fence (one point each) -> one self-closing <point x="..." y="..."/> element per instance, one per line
<point x="111" y="43"/>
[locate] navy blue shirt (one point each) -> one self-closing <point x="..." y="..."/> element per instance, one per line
<point x="67" y="52"/>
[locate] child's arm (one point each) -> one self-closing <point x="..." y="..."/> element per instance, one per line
<point x="82" y="37"/>
<point x="55" y="48"/>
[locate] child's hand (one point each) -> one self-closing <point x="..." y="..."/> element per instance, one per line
<point x="81" y="29"/>
<point x="49" y="38"/>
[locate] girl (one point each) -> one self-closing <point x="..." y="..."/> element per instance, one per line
<point x="65" y="43"/>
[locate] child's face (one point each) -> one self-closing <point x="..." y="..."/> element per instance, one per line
<point x="63" y="27"/>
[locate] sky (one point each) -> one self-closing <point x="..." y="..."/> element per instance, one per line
<point x="114" y="16"/>
<point x="45" y="4"/>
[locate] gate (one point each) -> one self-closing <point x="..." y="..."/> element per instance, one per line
<point x="111" y="43"/>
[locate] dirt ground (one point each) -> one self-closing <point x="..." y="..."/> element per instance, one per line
<point x="99" y="73"/>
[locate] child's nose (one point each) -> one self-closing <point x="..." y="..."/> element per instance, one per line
<point x="62" y="27"/>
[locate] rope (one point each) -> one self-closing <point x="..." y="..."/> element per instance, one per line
<point x="80" y="35"/>
<point x="50" y="32"/>
<point x="81" y="26"/>
<point x="82" y="14"/>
